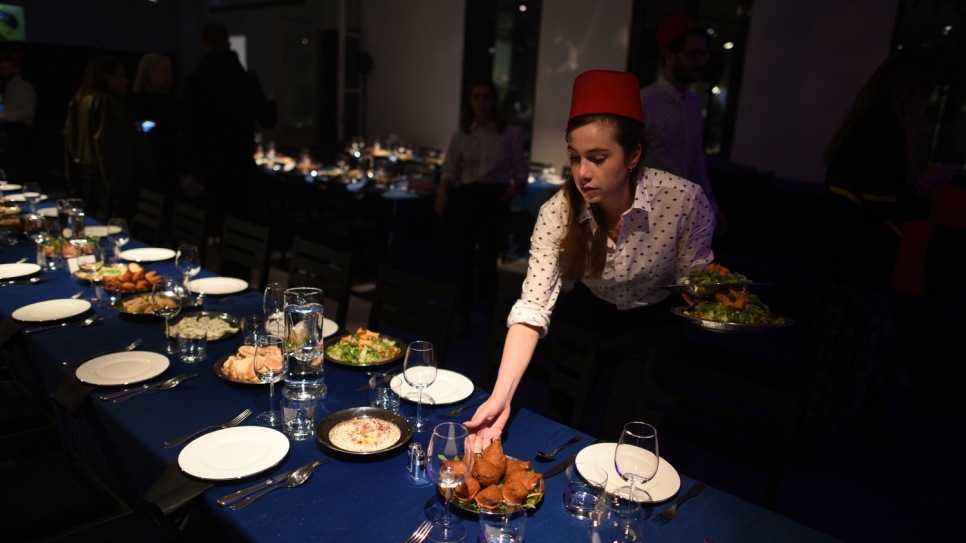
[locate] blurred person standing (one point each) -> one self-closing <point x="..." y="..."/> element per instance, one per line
<point x="673" y="124"/>
<point x="19" y="103"/>
<point x="157" y="114"/>
<point x="99" y="141"/>
<point x="485" y="166"/>
<point x="222" y="103"/>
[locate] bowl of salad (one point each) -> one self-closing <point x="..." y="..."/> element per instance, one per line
<point x="735" y="312"/>
<point x="714" y="279"/>
<point x="363" y="348"/>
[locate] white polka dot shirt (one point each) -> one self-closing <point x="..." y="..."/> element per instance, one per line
<point x="673" y="128"/>
<point x="665" y="235"/>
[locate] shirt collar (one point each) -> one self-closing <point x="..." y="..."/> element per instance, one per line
<point x="671" y="89"/>
<point x="641" y="200"/>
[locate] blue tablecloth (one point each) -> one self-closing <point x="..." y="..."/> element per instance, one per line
<point x="348" y="499"/>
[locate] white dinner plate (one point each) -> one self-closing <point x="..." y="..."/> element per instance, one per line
<point x="329" y="328"/>
<point x="101" y="231"/>
<point x="233" y="453"/>
<point x="218" y="285"/>
<point x="11" y="186"/>
<point x="276" y="327"/>
<point x="449" y="387"/>
<point x="48" y="212"/>
<point x="51" y="310"/>
<point x="662" y="487"/>
<point x="147" y="254"/>
<point x="122" y="368"/>
<point x="9" y="272"/>
<point x="20" y="198"/>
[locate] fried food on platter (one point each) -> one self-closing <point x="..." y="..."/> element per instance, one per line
<point x="467" y="489"/>
<point x="493" y="454"/>
<point x="486" y="473"/>
<point x="490" y="497"/>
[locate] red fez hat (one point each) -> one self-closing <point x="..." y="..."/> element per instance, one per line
<point x="671" y="28"/>
<point x="606" y="92"/>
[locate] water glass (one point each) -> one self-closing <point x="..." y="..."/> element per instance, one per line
<point x="381" y="393"/>
<point x="112" y="292"/>
<point x="298" y="414"/>
<point x="502" y="526"/>
<point x="585" y="485"/>
<point x="618" y="519"/>
<point x="193" y="348"/>
<point x="252" y="326"/>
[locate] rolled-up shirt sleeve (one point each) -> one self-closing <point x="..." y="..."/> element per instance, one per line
<point x="694" y="235"/>
<point x="542" y="284"/>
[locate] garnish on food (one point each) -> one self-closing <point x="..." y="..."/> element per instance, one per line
<point x="734" y="307"/>
<point x="714" y="273"/>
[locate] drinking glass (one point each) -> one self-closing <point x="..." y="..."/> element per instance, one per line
<point x="449" y="461"/>
<point x="636" y="457"/>
<point x="252" y="326"/>
<point x="585" y="485"/>
<point x="273" y="306"/>
<point x="188" y="263"/>
<point x="270" y="366"/>
<point x="619" y="520"/>
<point x="166" y="302"/>
<point x="31" y="195"/>
<point x="419" y="370"/>
<point x="36" y="228"/>
<point x="303" y="340"/>
<point x="118" y="232"/>
<point x="503" y="526"/>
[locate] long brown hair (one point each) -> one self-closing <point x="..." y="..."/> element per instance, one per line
<point x="584" y="254"/>
<point x="899" y="87"/>
<point x="466" y="114"/>
<point x="93" y="79"/>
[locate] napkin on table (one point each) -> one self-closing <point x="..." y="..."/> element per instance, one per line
<point x="171" y="494"/>
<point x="72" y="394"/>
<point x="9" y="328"/>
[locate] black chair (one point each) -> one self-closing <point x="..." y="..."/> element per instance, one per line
<point x="735" y="419"/>
<point x="57" y="498"/>
<point x="320" y="267"/>
<point x="244" y="249"/>
<point x="148" y="222"/>
<point x="26" y="430"/>
<point x="562" y="360"/>
<point x="189" y="224"/>
<point x="418" y="306"/>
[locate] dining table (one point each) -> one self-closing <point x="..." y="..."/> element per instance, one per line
<point x="349" y="498"/>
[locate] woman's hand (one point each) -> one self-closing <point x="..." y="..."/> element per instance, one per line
<point x="488" y="422"/>
<point x="441" y="201"/>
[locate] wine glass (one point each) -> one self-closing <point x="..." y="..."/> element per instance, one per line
<point x="616" y="519"/>
<point x="36" y="228"/>
<point x="636" y="458"/>
<point x="273" y="306"/>
<point x="419" y="370"/>
<point x="166" y="302"/>
<point x="270" y="366"/>
<point x="31" y="195"/>
<point x="188" y="262"/>
<point x="118" y="232"/>
<point x="449" y="461"/>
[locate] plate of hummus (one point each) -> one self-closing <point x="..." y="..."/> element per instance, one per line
<point x="364" y="431"/>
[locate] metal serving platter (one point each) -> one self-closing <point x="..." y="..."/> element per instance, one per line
<point x="708" y="290"/>
<point x="232" y="321"/>
<point x="324" y="427"/>
<point x="337" y="338"/>
<point x="732" y="327"/>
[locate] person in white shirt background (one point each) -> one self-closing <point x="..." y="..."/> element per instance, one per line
<point x="621" y="230"/>
<point x="672" y="114"/>
<point x="19" y="103"/>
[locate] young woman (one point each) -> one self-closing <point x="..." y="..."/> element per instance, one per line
<point x="622" y="231"/>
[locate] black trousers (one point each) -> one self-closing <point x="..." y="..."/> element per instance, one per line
<point x="479" y="221"/>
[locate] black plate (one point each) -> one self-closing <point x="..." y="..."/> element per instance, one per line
<point x="732" y="327"/>
<point x="336" y="338"/>
<point x="324" y="427"/>
<point x="221" y="374"/>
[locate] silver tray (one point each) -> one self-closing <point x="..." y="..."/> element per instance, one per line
<point x="732" y="327"/>
<point x="708" y="290"/>
<point x="324" y="427"/>
<point x="337" y="338"/>
<point x="231" y="320"/>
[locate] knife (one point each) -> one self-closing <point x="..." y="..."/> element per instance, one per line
<point x="130" y="347"/>
<point x="379" y="382"/>
<point x="563" y="465"/>
<point x="149" y="386"/>
<point x="280" y="478"/>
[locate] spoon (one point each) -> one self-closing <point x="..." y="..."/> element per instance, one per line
<point x="166" y="385"/>
<point x="550" y="456"/>
<point x="300" y="476"/>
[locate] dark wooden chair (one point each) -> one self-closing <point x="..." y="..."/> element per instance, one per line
<point x="148" y="222"/>
<point x="741" y="421"/>
<point x="26" y="429"/>
<point x="418" y="306"/>
<point x="189" y="224"/>
<point x="321" y="267"/>
<point x="563" y="360"/>
<point x="59" y="499"/>
<point x="244" y="249"/>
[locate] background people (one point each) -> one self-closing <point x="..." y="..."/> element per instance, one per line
<point x="156" y="113"/>
<point x="19" y="104"/>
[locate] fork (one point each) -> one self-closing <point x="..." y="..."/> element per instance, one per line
<point x="456" y="412"/>
<point x="420" y="534"/>
<point x="233" y="422"/>
<point x="668" y="514"/>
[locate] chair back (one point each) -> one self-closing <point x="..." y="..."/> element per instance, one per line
<point x="149" y="216"/>
<point x="189" y="224"/>
<point x="563" y="360"/>
<point x="314" y="265"/>
<point x="742" y="421"/>
<point x="415" y="305"/>
<point x="244" y="246"/>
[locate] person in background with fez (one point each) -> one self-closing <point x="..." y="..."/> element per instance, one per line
<point x="674" y="126"/>
<point x="222" y="103"/>
<point x="19" y="103"/>
<point x="621" y="230"/>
